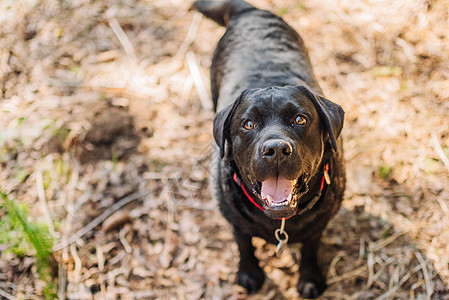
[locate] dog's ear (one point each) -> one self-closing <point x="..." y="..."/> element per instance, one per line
<point x="222" y="123"/>
<point x="330" y="113"/>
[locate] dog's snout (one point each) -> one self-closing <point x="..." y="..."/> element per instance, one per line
<point x="276" y="149"/>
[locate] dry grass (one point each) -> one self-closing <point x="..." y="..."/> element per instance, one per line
<point x="108" y="100"/>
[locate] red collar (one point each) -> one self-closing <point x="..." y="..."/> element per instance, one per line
<point x="310" y="204"/>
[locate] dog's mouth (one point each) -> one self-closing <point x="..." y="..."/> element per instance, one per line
<point x="280" y="196"/>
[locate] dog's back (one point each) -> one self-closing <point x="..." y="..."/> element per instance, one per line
<point x="258" y="50"/>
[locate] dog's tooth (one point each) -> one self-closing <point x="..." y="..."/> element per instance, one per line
<point x="289" y="198"/>
<point x="277" y="204"/>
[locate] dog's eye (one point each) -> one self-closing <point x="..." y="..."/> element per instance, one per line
<point x="248" y="125"/>
<point x="300" y="120"/>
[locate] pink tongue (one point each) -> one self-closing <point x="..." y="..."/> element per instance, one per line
<point x="278" y="188"/>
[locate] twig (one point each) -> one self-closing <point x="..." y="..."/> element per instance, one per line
<point x="376" y="275"/>
<point x="124" y="241"/>
<point x="443" y="205"/>
<point x="62" y="282"/>
<point x="396" y="287"/>
<point x="190" y="36"/>
<point x="100" y="258"/>
<point x="198" y="81"/>
<point x="361" y="249"/>
<point x="383" y="243"/>
<point x="392" y="288"/>
<point x="122" y="37"/>
<point x="6" y="295"/>
<point x="437" y="146"/>
<point x="348" y="275"/>
<point x="43" y="201"/>
<point x="370" y="264"/>
<point x="429" y="287"/>
<point x="78" y="263"/>
<point x="200" y="207"/>
<point x="100" y="219"/>
<point x="421" y="282"/>
<point x="333" y="263"/>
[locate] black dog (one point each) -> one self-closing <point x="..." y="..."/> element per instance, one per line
<point x="278" y="137"/>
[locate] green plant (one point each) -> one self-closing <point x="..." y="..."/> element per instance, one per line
<point x="385" y="171"/>
<point x="282" y="11"/>
<point x="22" y="236"/>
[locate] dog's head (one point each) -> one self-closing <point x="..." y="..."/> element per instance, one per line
<point x="277" y="137"/>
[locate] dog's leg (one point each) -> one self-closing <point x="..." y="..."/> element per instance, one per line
<point x="311" y="281"/>
<point x="250" y="275"/>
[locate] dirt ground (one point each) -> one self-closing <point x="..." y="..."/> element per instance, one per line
<point x="106" y="133"/>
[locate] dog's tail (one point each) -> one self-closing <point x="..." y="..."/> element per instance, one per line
<point x="222" y="12"/>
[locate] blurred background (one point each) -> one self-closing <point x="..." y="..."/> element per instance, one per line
<point x="105" y="144"/>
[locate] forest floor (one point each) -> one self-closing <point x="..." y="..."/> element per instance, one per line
<point x="105" y="107"/>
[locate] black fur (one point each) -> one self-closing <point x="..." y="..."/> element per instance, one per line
<point x="261" y="72"/>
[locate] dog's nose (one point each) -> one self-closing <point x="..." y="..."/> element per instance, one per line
<point x="276" y="149"/>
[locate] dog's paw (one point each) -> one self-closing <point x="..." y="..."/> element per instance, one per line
<point x="252" y="280"/>
<point x="311" y="288"/>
